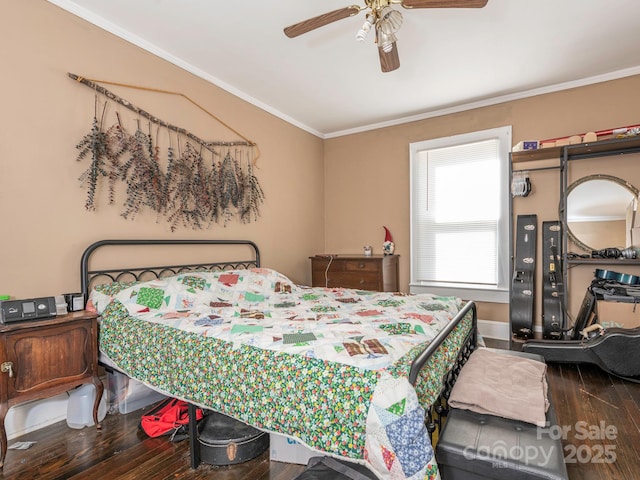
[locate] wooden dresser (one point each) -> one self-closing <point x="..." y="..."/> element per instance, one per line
<point x="42" y="358"/>
<point x="375" y="272"/>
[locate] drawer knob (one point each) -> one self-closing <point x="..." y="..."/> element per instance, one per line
<point x="361" y="265"/>
<point x="7" y="367"/>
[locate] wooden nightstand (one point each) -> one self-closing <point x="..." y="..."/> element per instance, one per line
<point x="42" y="358"/>
<point x="375" y="272"/>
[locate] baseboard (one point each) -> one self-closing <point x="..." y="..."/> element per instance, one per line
<point x="499" y="330"/>
<point x="494" y="329"/>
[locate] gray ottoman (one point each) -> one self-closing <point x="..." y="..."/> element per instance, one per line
<point x="474" y="446"/>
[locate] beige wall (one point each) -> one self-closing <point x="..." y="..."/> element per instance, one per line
<point x="367" y="174"/>
<point x="44" y="114"/>
<point x="329" y="196"/>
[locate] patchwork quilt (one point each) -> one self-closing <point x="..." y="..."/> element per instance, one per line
<point x="327" y="367"/>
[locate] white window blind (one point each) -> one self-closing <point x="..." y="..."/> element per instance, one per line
<point x="459" y="212"/>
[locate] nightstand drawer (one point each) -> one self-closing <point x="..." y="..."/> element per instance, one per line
<point x="42" y="357"/>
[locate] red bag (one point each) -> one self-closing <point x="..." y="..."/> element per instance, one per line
<point x="169" y="417"/>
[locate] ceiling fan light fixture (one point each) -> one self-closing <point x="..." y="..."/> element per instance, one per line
<point x="385" y="40"/>
<point x="381" y="16"/>
<point x="389" y="20"/>
<point x="366" y="26"/>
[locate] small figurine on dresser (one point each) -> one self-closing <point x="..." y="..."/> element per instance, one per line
<point x="388" y="247"/>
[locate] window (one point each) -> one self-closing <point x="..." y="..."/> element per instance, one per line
<point x="460" y="215"/>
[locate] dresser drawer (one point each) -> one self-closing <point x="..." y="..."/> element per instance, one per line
<point x="375" y="273"/>
<point x="362" y="266"/>
<point x="358" y="280"/>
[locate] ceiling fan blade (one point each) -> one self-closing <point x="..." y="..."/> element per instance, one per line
<point x="389" y="61"/>
<point x="443" y="3"/>
<point x="320" y="21"/>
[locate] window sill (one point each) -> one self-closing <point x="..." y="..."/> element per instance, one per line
<point x="466" y="293"/>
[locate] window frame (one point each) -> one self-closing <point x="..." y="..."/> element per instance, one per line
<point x="499" y="293"/>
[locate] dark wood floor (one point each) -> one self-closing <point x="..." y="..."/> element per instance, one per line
<point x="590" y="405"/>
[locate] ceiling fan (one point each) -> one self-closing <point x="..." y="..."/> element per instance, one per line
<point x="384" y="19"/>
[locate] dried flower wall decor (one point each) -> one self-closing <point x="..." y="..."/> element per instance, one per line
<point x="194" y="185"/>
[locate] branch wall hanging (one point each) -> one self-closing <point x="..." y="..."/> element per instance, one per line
<point x="195" y="184"/>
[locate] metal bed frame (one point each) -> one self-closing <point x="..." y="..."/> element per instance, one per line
<point x="89" y="277"/>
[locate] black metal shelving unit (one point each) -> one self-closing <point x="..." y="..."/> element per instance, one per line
<point x="605" y="148"/>
<point x="561" y="157"/>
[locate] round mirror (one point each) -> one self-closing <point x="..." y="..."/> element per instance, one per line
<point x="597" y="212"/>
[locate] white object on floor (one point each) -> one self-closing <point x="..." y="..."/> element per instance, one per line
<point x="127" y="394"/>
<point x="285" y="449"/>
<point x="80" y="406"/>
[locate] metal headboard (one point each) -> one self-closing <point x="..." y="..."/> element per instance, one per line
<point x="88" y="276"/>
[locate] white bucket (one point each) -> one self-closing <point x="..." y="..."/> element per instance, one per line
<point x="80" y="406"/>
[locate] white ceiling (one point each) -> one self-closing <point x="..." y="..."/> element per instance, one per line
<point x="329" y="84"/>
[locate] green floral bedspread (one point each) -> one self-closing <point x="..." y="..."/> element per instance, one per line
<point x="327" y="367"/>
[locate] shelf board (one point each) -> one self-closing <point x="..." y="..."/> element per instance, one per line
<point x="604" y="261"/>
<point x="550" y="153"/>
<point x="614" y="146"/>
